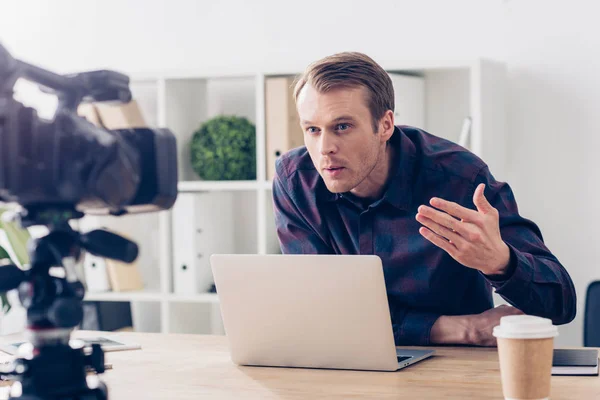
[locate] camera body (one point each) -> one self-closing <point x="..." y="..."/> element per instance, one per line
<point x="69" y="162"/>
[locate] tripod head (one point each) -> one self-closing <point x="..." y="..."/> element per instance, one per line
<point x="54" y="304"/>
<point x="56" y="301"/>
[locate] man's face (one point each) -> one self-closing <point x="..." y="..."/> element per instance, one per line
<point x="338" y="133"/>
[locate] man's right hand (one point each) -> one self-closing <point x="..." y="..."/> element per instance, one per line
<point x="482" y="325"/>
<point x="470" y="329"/>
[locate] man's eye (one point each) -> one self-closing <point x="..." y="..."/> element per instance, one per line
<point x="312" y="130"/>
<point x="342" y="127"/>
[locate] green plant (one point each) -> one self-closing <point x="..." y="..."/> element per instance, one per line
<point x="4" y="257"/>
<point x="224" y="148"/>
<point x="17" y="238"/>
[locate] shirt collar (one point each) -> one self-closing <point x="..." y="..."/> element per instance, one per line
<point x="398" y="192"/>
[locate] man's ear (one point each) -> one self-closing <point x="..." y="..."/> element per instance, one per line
<point x="386" y="126"/>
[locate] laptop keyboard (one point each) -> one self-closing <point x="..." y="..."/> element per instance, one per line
<point x="401" y="358"/>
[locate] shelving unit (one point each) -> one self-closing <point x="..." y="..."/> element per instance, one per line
<point x="144" y="295"/>
<point x="208" y="186"/>
<point x="453" y="90"/>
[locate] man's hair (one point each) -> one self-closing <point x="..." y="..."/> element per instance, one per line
<point x="350" y="70"/>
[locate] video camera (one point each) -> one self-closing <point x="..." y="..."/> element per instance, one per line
<point x="58" y="170"/>
<point x="69" y="162"/>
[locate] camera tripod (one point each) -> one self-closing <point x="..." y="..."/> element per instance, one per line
<point x="51" y="365"/>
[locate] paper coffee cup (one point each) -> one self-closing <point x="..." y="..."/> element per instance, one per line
<point x="525" y="346"/>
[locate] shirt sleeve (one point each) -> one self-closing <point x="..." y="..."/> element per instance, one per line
<point x="295" y="234"/>
<point x="411" y="327"/>
<point x="536" y="282"/>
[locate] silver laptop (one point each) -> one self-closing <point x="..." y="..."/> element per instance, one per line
<point x="313" y="311"/>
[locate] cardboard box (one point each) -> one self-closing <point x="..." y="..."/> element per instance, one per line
<point x="89" y="112"/>
<point x="113" y="116"/>
<point x="124" y="277"/>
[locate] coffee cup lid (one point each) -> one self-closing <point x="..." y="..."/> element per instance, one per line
<point x="525" y="327"/>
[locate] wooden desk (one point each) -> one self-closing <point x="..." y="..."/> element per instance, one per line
<point x="178" y="367"/>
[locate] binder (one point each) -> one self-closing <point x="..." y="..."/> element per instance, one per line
<point x="113" y="116"/>
<point x="465" y="133"/>
<point x="123" y="277"/>
<point x="200" y="229"/>
<point x="283" y="131"/>
<point x="184" y="252"/>
<point x="96" y="277"/>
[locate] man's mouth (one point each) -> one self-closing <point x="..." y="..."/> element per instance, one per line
<point x="334" y="171"/>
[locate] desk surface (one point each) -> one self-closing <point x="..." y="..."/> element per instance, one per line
<point x="182" y="367"/>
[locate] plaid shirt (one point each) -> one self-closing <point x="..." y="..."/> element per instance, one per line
<point x="422" y="280"/>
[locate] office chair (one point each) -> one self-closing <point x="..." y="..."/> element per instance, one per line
<point x="591" y="319"/>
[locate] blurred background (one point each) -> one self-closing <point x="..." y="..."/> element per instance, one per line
<point x="525" y="71"/>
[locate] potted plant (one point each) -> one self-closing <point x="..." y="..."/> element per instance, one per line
<point x="13" y="250"/>
<point x="5" y="304"/>
<point x="224" y="148"/>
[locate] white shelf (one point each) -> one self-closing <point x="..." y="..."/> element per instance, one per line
<point x="194" y="298"/>
<point x="124" y="296"/>
<point x="149" y="296"/>
<point x="207" y="186"/>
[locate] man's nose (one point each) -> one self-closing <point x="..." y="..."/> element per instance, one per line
<point x="328" y="143"/>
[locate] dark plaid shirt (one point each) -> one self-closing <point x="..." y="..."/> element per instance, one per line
<point x="422" y="280"/>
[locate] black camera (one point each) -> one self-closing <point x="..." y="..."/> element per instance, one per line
<point x="58" y="170"/>
<point x="69" y="162"/>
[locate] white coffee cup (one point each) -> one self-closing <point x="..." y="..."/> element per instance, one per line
<point x="525" y="347"/>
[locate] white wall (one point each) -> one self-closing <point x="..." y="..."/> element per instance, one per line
<point x="551" y="49"/>
<point x="138" y="35"/>
<point x="554" y="93"/>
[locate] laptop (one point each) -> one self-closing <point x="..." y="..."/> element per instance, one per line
<point x="311" y="311"/>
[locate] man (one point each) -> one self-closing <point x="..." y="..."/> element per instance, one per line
<point x="445" y="229"/>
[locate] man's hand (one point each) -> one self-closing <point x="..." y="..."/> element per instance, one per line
<point x="482" y="325"/>
<point x="471" y="237"/>
<point x="470" y="329"/>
